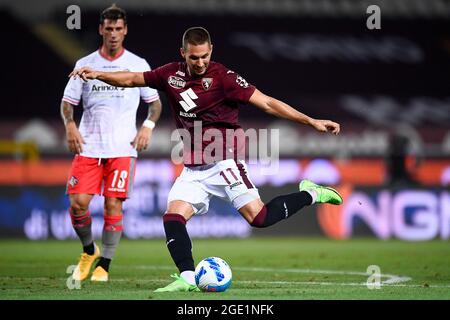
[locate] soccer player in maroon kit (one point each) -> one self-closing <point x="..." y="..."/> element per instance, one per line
<point x="199" y="89"/>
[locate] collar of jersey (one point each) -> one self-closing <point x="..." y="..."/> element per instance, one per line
<point x="108" y="58"/>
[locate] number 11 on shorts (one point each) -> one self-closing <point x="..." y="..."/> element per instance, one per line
<point x="224" y="176"/>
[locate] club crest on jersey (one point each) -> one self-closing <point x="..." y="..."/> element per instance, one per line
<point x="176" y="82"/>
<point x="73" y="181"/>
<point x="206" y="83"/>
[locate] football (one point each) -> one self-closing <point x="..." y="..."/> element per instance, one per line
<point x="213" y="275"/>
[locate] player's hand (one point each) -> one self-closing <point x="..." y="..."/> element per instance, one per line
<point x="84" y="73"/>
<point x="326" y="126"/>
<point x="142" y="139"/>
<point x="74" y="138"/>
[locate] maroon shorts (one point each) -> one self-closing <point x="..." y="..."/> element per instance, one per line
<point x="89" y="175"/>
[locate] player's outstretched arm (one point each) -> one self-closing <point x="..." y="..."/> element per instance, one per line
<point x="280" y="109"/>
<point x="118" y="79"/>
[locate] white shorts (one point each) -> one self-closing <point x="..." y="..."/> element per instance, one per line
<point x="226" y="179"/>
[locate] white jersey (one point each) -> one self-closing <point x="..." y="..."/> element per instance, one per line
<point x="108" y="124"/>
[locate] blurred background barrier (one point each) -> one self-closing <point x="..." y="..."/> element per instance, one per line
<point x="389" y="89"/>
<point x="36" y="205"/>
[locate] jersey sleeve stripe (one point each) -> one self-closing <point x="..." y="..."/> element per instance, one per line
<point x="70" y="100"/>
<point x="150" y="98"/>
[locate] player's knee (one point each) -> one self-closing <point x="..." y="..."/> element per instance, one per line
<point x="257" y="219"/>
<point x="113" y="206"/>
<point x="79" y="204"/>
<point x="183" y="208"/>
<point x="251" y="212"/>
<point x="78" y="209"/>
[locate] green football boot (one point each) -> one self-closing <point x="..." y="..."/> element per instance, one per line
<point x="324" y="194"/>
<point x="179" y="285"/>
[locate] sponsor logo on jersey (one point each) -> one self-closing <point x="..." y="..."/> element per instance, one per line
<point x="180" y="73"/>
<point x="102" y="88"/>
<point x="206" y="83"/>
<point x="188" y="114"/>
<point x="176" y="82"/>
<point x="73" y="181"/>
<point x="238" y="183"/>
<point x="242" y="82"/>
<point x="115" y="67"/>
<point x="116" y="189"/>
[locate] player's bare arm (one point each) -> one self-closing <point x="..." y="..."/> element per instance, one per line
<point x="144" y="134"/>
<point x="74" y="138"/>
<point x="118" y="79"/>
<point x="280" y="109"/>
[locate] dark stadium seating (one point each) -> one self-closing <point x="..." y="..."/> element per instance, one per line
<point x="33" y="75"/>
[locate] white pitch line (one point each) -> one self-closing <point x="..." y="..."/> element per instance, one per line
<point x="356" y="284"/>
<point x="392" y="279"/>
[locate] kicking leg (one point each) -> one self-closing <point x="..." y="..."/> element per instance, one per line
<point x="262" y="215"/>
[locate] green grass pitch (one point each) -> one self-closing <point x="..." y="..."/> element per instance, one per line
<point x="263" y="268"/>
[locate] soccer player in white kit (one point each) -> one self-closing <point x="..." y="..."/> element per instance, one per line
<point x="106" y="143"/>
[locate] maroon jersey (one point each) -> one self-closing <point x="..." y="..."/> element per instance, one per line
<point x="212" y="98"/>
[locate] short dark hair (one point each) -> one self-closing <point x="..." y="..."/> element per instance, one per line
<point x="113" y="13"/>
<point x="195" y="36"/>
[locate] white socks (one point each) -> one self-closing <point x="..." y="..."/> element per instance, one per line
<point x="189" y="276"/>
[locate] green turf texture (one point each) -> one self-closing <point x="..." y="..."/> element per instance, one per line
<point x="263" y="268"/>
